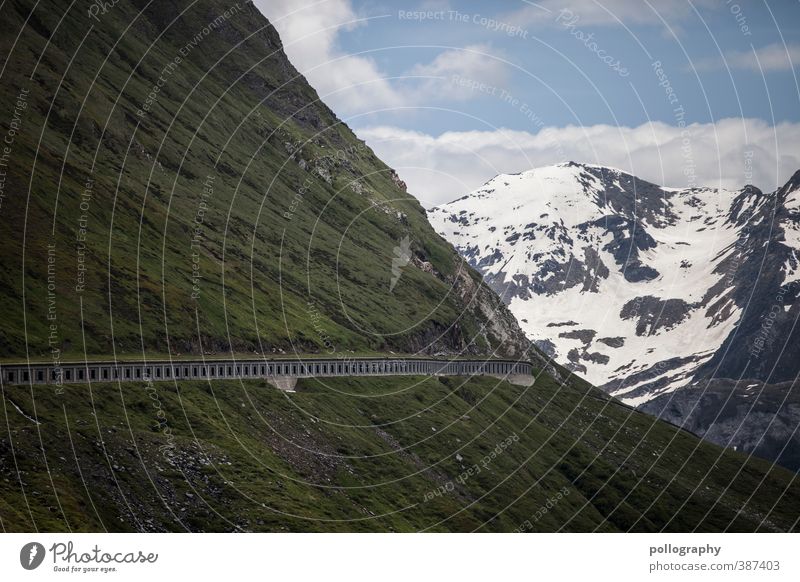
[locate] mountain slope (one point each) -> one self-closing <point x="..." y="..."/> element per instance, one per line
<point x="753" y="417"/>
<point x="236" y="213"/>
<point x="446" y="454"/>
<point x="657" y="295"/>
<point x="641" y="289"/>
<point x="183" y="190"/>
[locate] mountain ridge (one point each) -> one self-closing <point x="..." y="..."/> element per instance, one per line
<point x="204" y="204"/>
<point x="641" y="289"/>
<point x="625" y="214"/>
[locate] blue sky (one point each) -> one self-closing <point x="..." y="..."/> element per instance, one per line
<point x="452" y="93"/>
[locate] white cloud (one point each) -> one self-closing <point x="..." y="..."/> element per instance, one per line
<point x="309" y="31"/>
<point x="452" y="68"/>
<point x="353" y="84"/>
<point x="440" y="169"/>
<point x="773" y="57"/>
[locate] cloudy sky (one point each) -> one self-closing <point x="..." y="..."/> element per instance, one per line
<point x="451" y="93"/>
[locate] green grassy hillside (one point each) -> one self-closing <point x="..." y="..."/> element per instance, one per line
<point x="175" y="186"/>
<point x="370" y="454"/>
<point x="172" y="186"/>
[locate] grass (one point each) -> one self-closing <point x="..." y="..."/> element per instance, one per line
<point x="294" y="253"/>
<point x="369" y="454"/>
<point x="271" y="277"/>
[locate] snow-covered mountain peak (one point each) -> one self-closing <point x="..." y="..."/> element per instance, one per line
<point x="633" y="285"/>
<point x="791" y="192"/>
